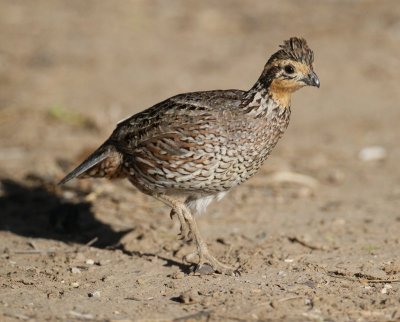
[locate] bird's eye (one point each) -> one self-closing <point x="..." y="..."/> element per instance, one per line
<point x="289" y="69"/>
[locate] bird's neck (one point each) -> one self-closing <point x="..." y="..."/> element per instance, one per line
<point x="280" y="95"/>
<point x="264" y="99"/>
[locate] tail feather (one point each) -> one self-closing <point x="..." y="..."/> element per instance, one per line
<point x="104" y="162"/>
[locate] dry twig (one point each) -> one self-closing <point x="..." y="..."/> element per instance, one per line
<point x="305" y="244"/>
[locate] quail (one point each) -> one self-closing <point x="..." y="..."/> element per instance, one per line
<point x="193" y="148"/>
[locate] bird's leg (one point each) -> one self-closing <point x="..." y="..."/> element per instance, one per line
<point x="184" y="234"/>
<point x="204" y="254"/>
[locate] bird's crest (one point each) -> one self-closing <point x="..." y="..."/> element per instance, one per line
<point x="296" y="49"/>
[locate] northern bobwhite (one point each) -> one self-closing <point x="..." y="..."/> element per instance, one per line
<point x="193" y="148"/>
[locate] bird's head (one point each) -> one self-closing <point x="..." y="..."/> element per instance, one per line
<point x="290" y="69"/>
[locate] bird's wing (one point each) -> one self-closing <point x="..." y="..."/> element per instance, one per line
<point x="179" y="139"/>
<point x="194" y="112"/>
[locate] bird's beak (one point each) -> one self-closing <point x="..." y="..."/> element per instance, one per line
<point x="312" y="79"/>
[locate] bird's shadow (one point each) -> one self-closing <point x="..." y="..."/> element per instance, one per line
<point x="34" y="210"/>
<point x="185" y="268"/>
<point x="38" y="209"/>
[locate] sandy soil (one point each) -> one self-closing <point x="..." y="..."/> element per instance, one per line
<point x="324" y="247"/>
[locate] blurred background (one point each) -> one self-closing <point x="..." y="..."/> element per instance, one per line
<point x="71" y="69"/>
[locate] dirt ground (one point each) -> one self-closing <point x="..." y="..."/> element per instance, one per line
<point x="322" y="244"/>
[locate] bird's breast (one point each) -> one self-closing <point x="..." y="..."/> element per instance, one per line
<point x="255" y="137"/>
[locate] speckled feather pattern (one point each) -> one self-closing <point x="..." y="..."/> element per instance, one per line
<point x="197" y="146"/>
<point x="199" y="143"/>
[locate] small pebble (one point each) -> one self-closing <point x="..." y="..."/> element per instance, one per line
<point x="75" y="284"/>
<point x="89" y="262"/>
<point x="178" y="275"/>
<point x="204" y="269"/>
<point x="75" y="270"/>
<point x="95" y="294"/>
<point x="141" y="281"/>
<point x="256" y="290"/>
<point x="372" y="153"/>
<point x="385" y="288"/>
<point x="309" y="302"/>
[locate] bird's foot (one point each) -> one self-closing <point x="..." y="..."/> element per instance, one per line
<point x="208" y="264"/>
<point x="207" y="261"/>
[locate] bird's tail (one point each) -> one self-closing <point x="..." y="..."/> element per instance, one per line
<point x="106" y="162"/>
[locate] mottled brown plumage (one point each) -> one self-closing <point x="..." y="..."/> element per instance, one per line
<point x="193" y="148"/>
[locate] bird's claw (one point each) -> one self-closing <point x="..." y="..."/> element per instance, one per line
<point x="172" y="214"/>
<point x="185" y="231"/>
